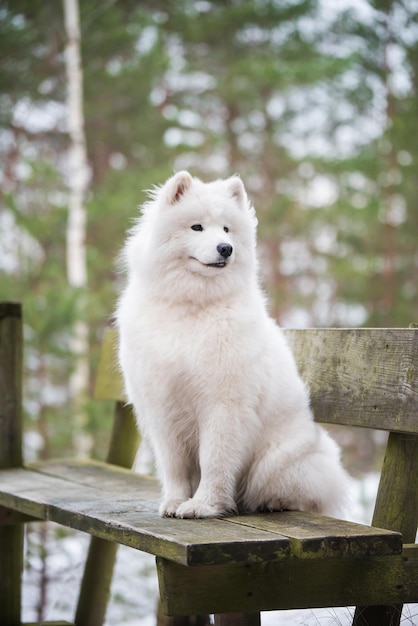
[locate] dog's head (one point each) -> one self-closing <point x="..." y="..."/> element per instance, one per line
<point x="213" y="223"/>
<point x="193" y="231"/>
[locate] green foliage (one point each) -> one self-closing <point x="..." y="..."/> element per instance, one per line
<point x="316" y="111"/>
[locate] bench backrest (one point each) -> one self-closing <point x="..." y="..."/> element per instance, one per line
<point x="361" y="377"/>
<point x="357" y="377"/>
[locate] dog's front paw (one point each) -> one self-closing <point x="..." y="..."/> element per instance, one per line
<point x="169" y="507"/>
<point x="195" y="508"/>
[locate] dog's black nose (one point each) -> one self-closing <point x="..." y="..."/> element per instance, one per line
<point x="224" y="249"/>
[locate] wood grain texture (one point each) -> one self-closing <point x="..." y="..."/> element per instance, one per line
<point x="360" y="377"/>
<point x="289" y="584"/>
<point x="118" y="505"/>
<point x="314" y="536"/>
<point x="117" y="515"/>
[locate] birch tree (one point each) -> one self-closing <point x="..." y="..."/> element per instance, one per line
<point x="78" y="180"/>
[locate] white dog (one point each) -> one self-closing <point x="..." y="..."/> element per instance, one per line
<point x="213" y="382"/>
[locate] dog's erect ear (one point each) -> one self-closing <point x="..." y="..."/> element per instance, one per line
<point x="176" y="186"/>
<point x="237" y="191"/>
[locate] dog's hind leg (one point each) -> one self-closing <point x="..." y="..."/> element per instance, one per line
<point x="304" y="477"/>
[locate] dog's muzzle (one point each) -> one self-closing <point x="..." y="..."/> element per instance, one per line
<point x="225" y="250"/>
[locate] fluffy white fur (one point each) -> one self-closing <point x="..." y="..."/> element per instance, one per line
<point x="213" y="382"/>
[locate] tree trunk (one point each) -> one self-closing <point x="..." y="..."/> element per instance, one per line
<point x="78" y="179"/>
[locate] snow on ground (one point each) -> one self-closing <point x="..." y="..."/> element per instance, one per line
<point x="134" y="588"/>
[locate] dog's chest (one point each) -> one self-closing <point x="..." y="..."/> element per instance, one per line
<point x="191" y="356"/>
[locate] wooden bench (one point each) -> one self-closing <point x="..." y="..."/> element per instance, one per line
<point x="237" y="566"/>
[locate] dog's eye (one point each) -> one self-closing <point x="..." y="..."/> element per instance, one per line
<point x="226" y="229"/>
<point x="197" y="227"/>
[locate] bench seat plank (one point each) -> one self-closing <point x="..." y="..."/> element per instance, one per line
<point x="101" y="475"/>
<point x="312" y="535"/>
<point x="123" y="517"/>
<point x="278" y="585"/>
<point x="113" y="503"/>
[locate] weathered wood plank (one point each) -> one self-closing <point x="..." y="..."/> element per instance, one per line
<point x="125" y="437"/>
<point x="382" y="615"/>
<point x="361" y="377"/>
<point x="396" y="505"/>
<point x="10" y="518"/>
<point x="95" y="590"/>
<point x="310" y="535"/>
<point x="289" y="584"/>
<point x="109" y="382"/>
<point x="314" y="536"/>
<point x="396" y="508"/>
<point x="181" y="620"/>
<point x="50" y="624"/>
<point x="237" y="619"/>
<point x="11" y="565"/>
<point x="118" y="516"/>
<point x="10" y="384"/>
<point x="11" y="537"/>
<point x="118" y="505"/>
<point x="100" y="475"/>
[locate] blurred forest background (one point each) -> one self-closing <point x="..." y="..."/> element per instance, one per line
<point x="313" y="102"/>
